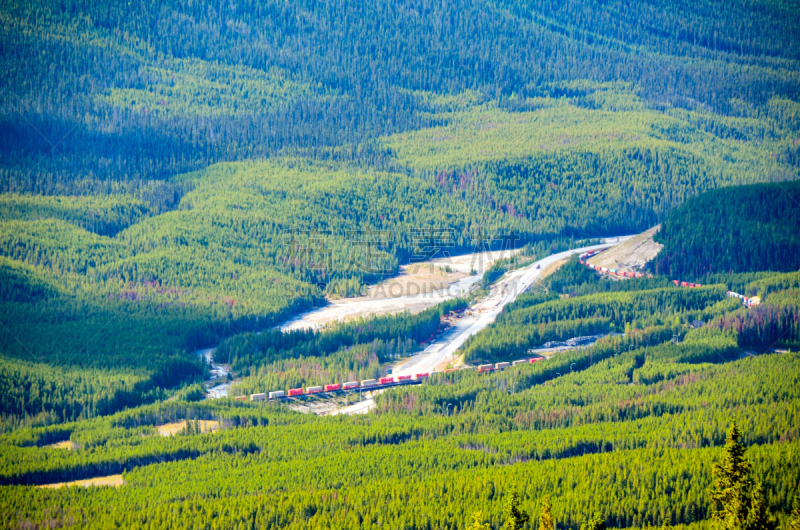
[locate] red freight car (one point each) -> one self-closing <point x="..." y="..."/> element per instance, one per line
<point x="331" y="388"/>
<point x="295" y="392"/>
<point x="386" y="380"/>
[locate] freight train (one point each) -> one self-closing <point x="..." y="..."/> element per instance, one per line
<point x="749" y="302"/>
<point x="604" y="270"/>
<point x="483" y="368"/>
<point x="373" y="384"/>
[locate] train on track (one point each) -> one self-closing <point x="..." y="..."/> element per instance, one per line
<point x="483" y="368"/>
<point x="747" y="301"/>
<point x="605" y="270"/>
<point x="372" y="384"/>
<point x="369" y="384"/>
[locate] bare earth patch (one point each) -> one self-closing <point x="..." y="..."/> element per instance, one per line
<point x="416" y="279"/>
<point x="114" y="481"/>
<point x="632" y="254"/>
<point x="458" y="362"/>
<point x="171" y="429"/>
<point x="67" y="444"/>
<point x="417" y="287"/>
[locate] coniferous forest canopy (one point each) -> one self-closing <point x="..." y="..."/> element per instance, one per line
<point x="733" y="230"/>
<point x="179" y="175"/>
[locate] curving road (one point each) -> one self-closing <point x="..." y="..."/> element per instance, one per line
<point x="443" y="349"/>
<point x="484" y="312"/>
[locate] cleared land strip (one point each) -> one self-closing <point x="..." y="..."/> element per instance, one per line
<point x="114" y="481"/>
<point x="443" y="350"/>
<point x="632" y="254"/>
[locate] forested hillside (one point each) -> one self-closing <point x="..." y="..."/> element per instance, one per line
<point x="181" y="174"/>
<point x="142" y="91"/>
<point x="738" y="229"/>
<point x="174" y="174"/>
<point x="627" y="429"/>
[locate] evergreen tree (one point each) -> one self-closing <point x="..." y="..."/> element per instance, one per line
<point x="477" y="522"/>
<point x="758" y="516"/>
<point x="743" y="503"/>
<point x="794" y="520"/>
<point x="546" y="521"/>
<point x="729" y="473"/>
<point x="516" y="518"/>
<point x="595" y="523"/>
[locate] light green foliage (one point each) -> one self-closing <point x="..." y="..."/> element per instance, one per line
<point x="582" y="438"/>
<point x="595" y="523"/>
<point x="353" y="350"/>
<point x="523" y="326"/>
<point x="104" y="215"/>
<point x="477" y="522"/>
<point x="167" y="168"/>
<point x="794" y="520"/>
<point x="486" y="133"/>
<point x="197" y="88"/>
<point x="775" y="283"/>
<point x="583" y="161"/>
<point x="546" y="520"/>
<point x="731" y="472"/>
<point x="42" y="394"/>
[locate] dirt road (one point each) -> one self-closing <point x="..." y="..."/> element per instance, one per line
<point x="442" y="350"/>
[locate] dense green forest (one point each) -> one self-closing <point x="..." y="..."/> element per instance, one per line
<point x="627" y="428"/>
<point x="575" y="301"/>
<point x="150" y="89"/>
<point x="173" y="174"/>
<point x="730" y="230"/>
<point x="251" y="243"/>
<point x="179" y="175"/>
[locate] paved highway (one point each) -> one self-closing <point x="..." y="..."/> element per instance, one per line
<point x="484" y="312"/>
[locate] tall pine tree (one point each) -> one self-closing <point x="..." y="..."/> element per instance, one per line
<point x="742" y="503"/>
<point x="516" y="517"/>
<point x="794" y="520"/>
<point x="546" y="521"/>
